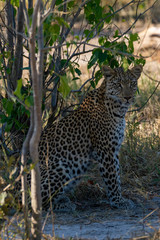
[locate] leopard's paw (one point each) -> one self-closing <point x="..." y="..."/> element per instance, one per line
<point x="123" y="203"/>
<point x="63" y="204"/>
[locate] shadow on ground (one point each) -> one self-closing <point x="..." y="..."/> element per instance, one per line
<point x="97" y="221"/>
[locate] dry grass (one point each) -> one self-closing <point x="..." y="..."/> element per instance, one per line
<point x="140" y="152"/>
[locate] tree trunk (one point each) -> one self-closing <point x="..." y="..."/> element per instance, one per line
<point x="25" y="151"/>
<point x="37" y="77"/>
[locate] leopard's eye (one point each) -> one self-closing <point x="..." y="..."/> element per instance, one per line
<point x="134" y="84"/>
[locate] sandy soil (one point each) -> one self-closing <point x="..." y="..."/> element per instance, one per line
<point x="97" y="221"/>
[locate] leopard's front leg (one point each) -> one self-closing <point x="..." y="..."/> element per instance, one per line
<point x="109" y="169"/>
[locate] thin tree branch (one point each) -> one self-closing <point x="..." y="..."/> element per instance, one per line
<point x="19" y="33"/>
<point x="18" y="62"/>
<point x="74" y="20"/>
<point x="26" y="17"/>
<point x="138" y="109"/>
<point x="24" y="153"/>
<point x="137" y="18"/>
<point x="49" y="11"/>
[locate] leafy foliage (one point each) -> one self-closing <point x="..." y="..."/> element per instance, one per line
<point x="14" y="111"/>
<point x="64" y="87"/>
<point x="61" y="66"/>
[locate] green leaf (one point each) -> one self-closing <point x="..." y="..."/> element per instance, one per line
<point x="54" y="31"/>
<point x="116" y="34"/>
<point x="71" y="69"/>
<point x="32" y="166"/>
<point x="108" y="17"/>
<point x="92" y="84"/>
<point x="14" y="11"/>
<point x="17" y="92"/>
<point x="125" y="64"/>
<point x="64" y="88"/>
<point x="70" y="4"/>
<point x="61" y="21"/>
<point x="58" y="2"/>
<point x="8" y="127"/>
<point x="134" y="37"/>
<point x="7" y="105"/>
<point x="63" y="62"/>
<point x="107" y="44"/>
<point x="102" y="56"/>
<point x="88" y="33"/>
<point x="75" y="78"/>
<point x="26" y="68"/>
<point x="3" y="118"/>
<point x="121" y="46"/>
<point x="97" y="2"/>
<point x="51" y="31"/>
<point x="30" y="12"/>
<point x="78" y="71"/>
<point x="15" y="3"/>
<point x="29" y="101"/>
<point x="55" y="28"/>
<point x="94" y="57"/>
<point x="76" y="37"/>
<point x="67" y="44"/>
<point x="98" y="76"/>
<point x="102" y="40"/>
<point x="93" y="11"/>
<point x="92" y="61"/>
<point x="140" y="61"/>
<point x="111" y="8"/>
<point x="131" y="47"/>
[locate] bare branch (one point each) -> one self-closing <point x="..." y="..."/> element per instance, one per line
<point x="24" y="153"/>
<point x="19" y="33"/>
<point x="82" y="86"/>
<point x="138" y="109"/>
<point x="154" y="80"/>
<point x="26" y="17"/>
<point x="49" y="11"/>
<point x="18" y="62"/>
<point x="137" y="18"/>
<point x="74" y="20"/>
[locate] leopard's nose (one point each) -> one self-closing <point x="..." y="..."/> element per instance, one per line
<point x="127" y="98"/>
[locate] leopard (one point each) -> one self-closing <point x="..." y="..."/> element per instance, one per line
<point x="92" y="132"/>
<point x="95" y="131"/>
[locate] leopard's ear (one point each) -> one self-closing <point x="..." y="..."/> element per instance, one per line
<point x="107" y="72"/>
<point x="136" y="71"/>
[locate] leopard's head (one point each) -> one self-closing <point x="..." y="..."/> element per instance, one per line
<point x="121" y="85"/>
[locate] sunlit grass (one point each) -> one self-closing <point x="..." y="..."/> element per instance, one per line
<point x="140" y="151"/>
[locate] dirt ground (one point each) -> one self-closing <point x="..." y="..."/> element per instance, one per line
<point x="97" y="221"/>
<point x="94" y="219"/>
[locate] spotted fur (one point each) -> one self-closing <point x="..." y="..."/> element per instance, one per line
<point x="95" y="130"/>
